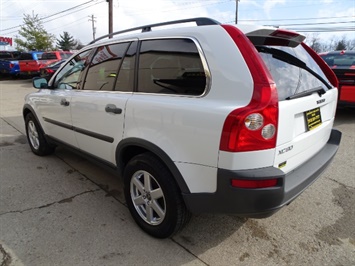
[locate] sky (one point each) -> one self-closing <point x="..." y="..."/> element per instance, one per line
<point x="329" y="18"/>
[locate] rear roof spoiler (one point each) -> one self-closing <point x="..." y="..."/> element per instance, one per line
<point x="275" y="36"/>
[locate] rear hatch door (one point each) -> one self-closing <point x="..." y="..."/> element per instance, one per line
<point x="307" y="99"/>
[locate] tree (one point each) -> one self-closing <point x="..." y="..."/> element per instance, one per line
<point x="66" y="43"/>
<point x="350" y="44"/>
<point x="314" y="42"/>
<point x="35" y="37"/>
<point x="341" y="45"/>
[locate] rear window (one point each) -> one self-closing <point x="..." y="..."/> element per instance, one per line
<point x="10" y="54"/>
<point x="339" y="60"/>
<point x="5" y="55"/>
<point x="26" y="56"/>
<point x="291" y="79"/>
<point x="49" y="56"/>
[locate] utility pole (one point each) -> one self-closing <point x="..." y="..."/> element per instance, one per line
<point x="92" y="19"/>
<point x="110" y="23"/>
<point x="236" y="11"/>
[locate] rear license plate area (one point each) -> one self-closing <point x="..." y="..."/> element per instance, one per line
<point x="313" y="118"/>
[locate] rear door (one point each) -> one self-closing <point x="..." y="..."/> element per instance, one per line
<point x="98" y="111"/>
<point x="307" y="100"/>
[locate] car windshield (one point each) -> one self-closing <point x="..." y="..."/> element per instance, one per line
<point x="293" y="70"/>
<point x="342" y="59"/>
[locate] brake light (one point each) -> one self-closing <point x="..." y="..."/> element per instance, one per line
<point x="285" y="34"/>
<point x="253" y="127"/>
<point x="12" y="65"/>
<point x="323" y="65"/>
<point x="245" y="183"/>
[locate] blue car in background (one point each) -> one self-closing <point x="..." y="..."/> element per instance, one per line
<point x="10" y="66"/>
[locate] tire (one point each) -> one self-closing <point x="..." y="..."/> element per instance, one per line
<point x="35" y="137"/>
<point x="153" y="197"/>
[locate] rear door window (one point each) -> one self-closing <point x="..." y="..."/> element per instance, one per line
<point x="126" y="75"/>
<point x="290" y="79"/>
<point x="26" y="56"/>
<point x="171" y="66"/>
<point x="102" y="72"/>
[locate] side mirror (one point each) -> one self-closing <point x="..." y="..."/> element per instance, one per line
<point x="40" y="83"/>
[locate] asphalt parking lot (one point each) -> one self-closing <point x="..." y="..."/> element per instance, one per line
<point x="63" y="210"/>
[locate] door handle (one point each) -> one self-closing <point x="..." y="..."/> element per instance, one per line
<point x="111" y="108"/>
<point x="64" y="102"/>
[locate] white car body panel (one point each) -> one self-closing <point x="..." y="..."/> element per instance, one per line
<point x="48" y="104"/>
<point x="199" y="178"/>
<point x="167" y="120"/>
<point x="88" y="113"/>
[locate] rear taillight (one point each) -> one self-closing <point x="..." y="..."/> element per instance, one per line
<point x="253" y="127"/>
<point x="11" y="65"/>
<point x="49" y="71"/>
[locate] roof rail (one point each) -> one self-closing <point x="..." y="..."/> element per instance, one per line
<point x="201" y="21"/>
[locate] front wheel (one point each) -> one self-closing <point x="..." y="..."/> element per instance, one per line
<point x="153" y="196"/>
<point x="35" y="137"/>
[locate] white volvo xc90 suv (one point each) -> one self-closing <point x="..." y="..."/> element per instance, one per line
<point x="204" y="118"/>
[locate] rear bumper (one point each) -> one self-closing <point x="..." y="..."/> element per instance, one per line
<point x="258" y="203"/>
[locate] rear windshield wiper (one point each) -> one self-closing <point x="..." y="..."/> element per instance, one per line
<point x="320" y="90"/>
<point x="292" y="60"/>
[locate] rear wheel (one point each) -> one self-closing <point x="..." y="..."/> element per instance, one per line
<point x="153" y="197"/>
<point x="35" y="137"/>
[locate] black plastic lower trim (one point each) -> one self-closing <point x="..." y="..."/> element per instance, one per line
<point x="258" y="203"/>
<point x="80" y="130"/>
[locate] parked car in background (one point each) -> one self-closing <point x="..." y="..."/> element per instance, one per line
<point x="11" y="66"/>
<point x="31" y="68"/>
<point x="9" y="54"/>
<point x="210" y="118"/>
<point x="48" y="70"/>
<point x="5" y="56"/>
<point x="343" y="65"/>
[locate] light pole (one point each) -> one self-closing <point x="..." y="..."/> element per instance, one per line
<point x="92" y="19"/>
<point x="110" y="5"/>
<point x="236" y="11"/>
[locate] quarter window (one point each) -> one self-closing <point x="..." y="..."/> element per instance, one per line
<point x="171" y="66"/>
<point x="104" y="66"/>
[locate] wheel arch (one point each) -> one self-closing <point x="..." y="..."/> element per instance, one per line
<point x="130" y="147"/>
<point x="28" y="109"/>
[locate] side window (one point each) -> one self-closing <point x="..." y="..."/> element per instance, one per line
<point x="125" y="79"/>
<point x="103" y="69"/>
<point x="171" y="66"/>
<point x="49" y="56"/>
<point x="69" y="76"/>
